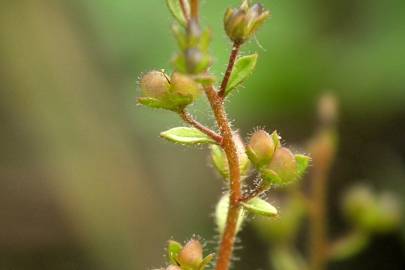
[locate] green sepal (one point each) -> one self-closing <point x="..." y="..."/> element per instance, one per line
<point x="173" y="251"/>
<point x="260" y="207"/>
<point x="271" y="177"/>
<point x="303" y="162"/>
<point x="206" y="261"/>
<point x="187" y="136"/>
<point x="175" y="9"/>
<point x="219" y="160"/>
<point x="171" y="101"/>
<point x="221" y="213"/>
<point x="243" y="67"/>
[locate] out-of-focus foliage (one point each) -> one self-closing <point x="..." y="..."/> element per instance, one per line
<point x="80" y="186"/>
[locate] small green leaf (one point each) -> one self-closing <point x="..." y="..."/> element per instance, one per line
<point x="221" y="213"/>
<point x="302" y="164"/>
<point x="173" y="251"/>
<point x="175" y="9"/>
<point x="244" y="66"/>
<point x="186" y="136"/>
<point x="260" y="207"/>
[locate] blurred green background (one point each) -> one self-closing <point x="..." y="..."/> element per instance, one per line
<point x="85" y="181"/>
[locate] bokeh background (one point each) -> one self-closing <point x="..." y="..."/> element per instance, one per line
<point x="85" y="180"/>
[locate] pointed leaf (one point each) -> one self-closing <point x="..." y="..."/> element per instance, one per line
<point x="244" y="66"/>
<point x="186" y="136"/>
<point x="175" y="9"/>
<point x="260" y="207"/>
<point x="173" y="250"/>
<point x="302" y="164"/>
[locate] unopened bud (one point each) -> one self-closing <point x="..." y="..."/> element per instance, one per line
<point x="284" y="165"/>
<point x="261" y="147"/>
<point x="154" y="84"/>
<point x="191" y="255"/>
<point x="183" y="85"/>
<point x="241" y="23"/>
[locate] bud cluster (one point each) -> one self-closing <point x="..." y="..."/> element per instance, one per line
<point x="242" y="23"/>
<point x="276" y="164"/>
<point x="193" y="42"/>
<point x="171" y="93"/>
<point x="187" y="257"/>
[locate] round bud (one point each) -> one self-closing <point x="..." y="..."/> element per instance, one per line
<point x="192" y="254"/>
<point x="183" y="85"/>
<point x="154" y="84"/>
<point x="284" y="164"/>
<point x="262" y="146"/>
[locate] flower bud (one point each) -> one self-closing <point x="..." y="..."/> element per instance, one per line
<point x="191" y="255"/>
<point x="241" y="23"/>
<point x="183" y="85"/>
<point x="154" y="84"/>
<point x="261" y="147"/>
<point x="284" y="165"/>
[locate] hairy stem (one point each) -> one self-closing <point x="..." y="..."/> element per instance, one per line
<point x="228" y="72"/>
<point x="190" y="120"/>
<point x="228" y="144"/>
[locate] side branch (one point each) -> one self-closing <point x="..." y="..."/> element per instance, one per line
<point x="228" y="72"/>
<point x="190" y="120"/>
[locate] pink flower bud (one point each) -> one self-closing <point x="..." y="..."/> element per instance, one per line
<point x="184" y="85"/>
<point x="154" y="84"/>
<point x="284" y="165"/>
<point x="192" y="254"/>
<point x="261" y="147"/>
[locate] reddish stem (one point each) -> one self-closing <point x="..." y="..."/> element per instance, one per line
<point x="228" y="144"/>
<point x="228" y="72"/>
<point x="190" y="120"/>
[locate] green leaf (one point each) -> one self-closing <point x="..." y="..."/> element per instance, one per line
<point x="244" y="66"/>
<point x="302" y="164"/>
<point x="186" y="136"/>
<point x="260" y="207"/>
<point x="173" y="251"/>
<point x="221" y="213"/>
<point x="175" y="9"/>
